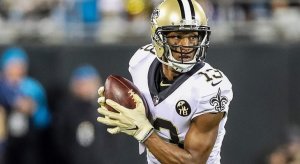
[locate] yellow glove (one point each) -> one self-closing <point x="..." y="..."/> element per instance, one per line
<point x="130" y="121"/>
<point x="101" y="99"/>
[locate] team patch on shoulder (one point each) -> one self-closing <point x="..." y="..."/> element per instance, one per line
<point x="218" y="101"/>
<point x="183" y="108"/>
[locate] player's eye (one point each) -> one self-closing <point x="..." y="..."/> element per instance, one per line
<point x="193" y="37"/>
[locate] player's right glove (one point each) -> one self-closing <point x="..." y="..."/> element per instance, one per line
<point x="130" y="121"/>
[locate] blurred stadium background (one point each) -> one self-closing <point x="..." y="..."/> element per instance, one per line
<point x="254" y="42"/>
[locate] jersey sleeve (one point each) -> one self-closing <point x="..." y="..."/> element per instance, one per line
<point x="214" y="99"/>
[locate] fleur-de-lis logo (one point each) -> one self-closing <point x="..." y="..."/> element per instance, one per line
<point x="219" y="101"/>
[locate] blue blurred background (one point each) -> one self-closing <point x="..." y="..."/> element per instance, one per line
<point x="64" y="49"/>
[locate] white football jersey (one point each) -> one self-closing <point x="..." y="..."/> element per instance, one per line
<point x="202" y="90"/>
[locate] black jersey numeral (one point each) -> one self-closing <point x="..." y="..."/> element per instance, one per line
<point x="160" y="123"/>
<point x="212" y="75"/>
<point x="149" y="48"/>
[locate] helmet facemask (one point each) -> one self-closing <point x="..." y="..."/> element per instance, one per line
<point x="199" y="49"/>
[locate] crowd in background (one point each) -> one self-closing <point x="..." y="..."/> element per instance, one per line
<point x="25" y="116"/>
<point x="117" y="21"/>
<point x="289" y="151"/>
<point x="33" y="131"/>
<point x="25" y="113"/>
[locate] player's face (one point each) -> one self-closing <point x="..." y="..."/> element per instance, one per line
<point x="181" y="45"/>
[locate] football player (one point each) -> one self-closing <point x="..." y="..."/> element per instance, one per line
<point x="188" y="99"/>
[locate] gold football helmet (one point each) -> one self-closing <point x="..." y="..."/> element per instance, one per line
<point x="179" y="15"/>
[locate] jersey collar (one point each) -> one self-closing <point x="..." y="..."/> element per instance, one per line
<point x="157" y="96"/>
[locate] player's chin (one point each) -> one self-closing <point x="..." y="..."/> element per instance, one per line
<point x="187" y="59"/>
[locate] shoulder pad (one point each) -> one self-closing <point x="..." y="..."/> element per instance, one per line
<point x="141" y="54"/>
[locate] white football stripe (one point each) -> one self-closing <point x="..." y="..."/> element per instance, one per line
<point x="187" y="9"/>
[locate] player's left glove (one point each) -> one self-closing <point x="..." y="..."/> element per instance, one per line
<point x="130" y="121"/>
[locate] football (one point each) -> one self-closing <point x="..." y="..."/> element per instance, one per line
<point x="119" y="89"/>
